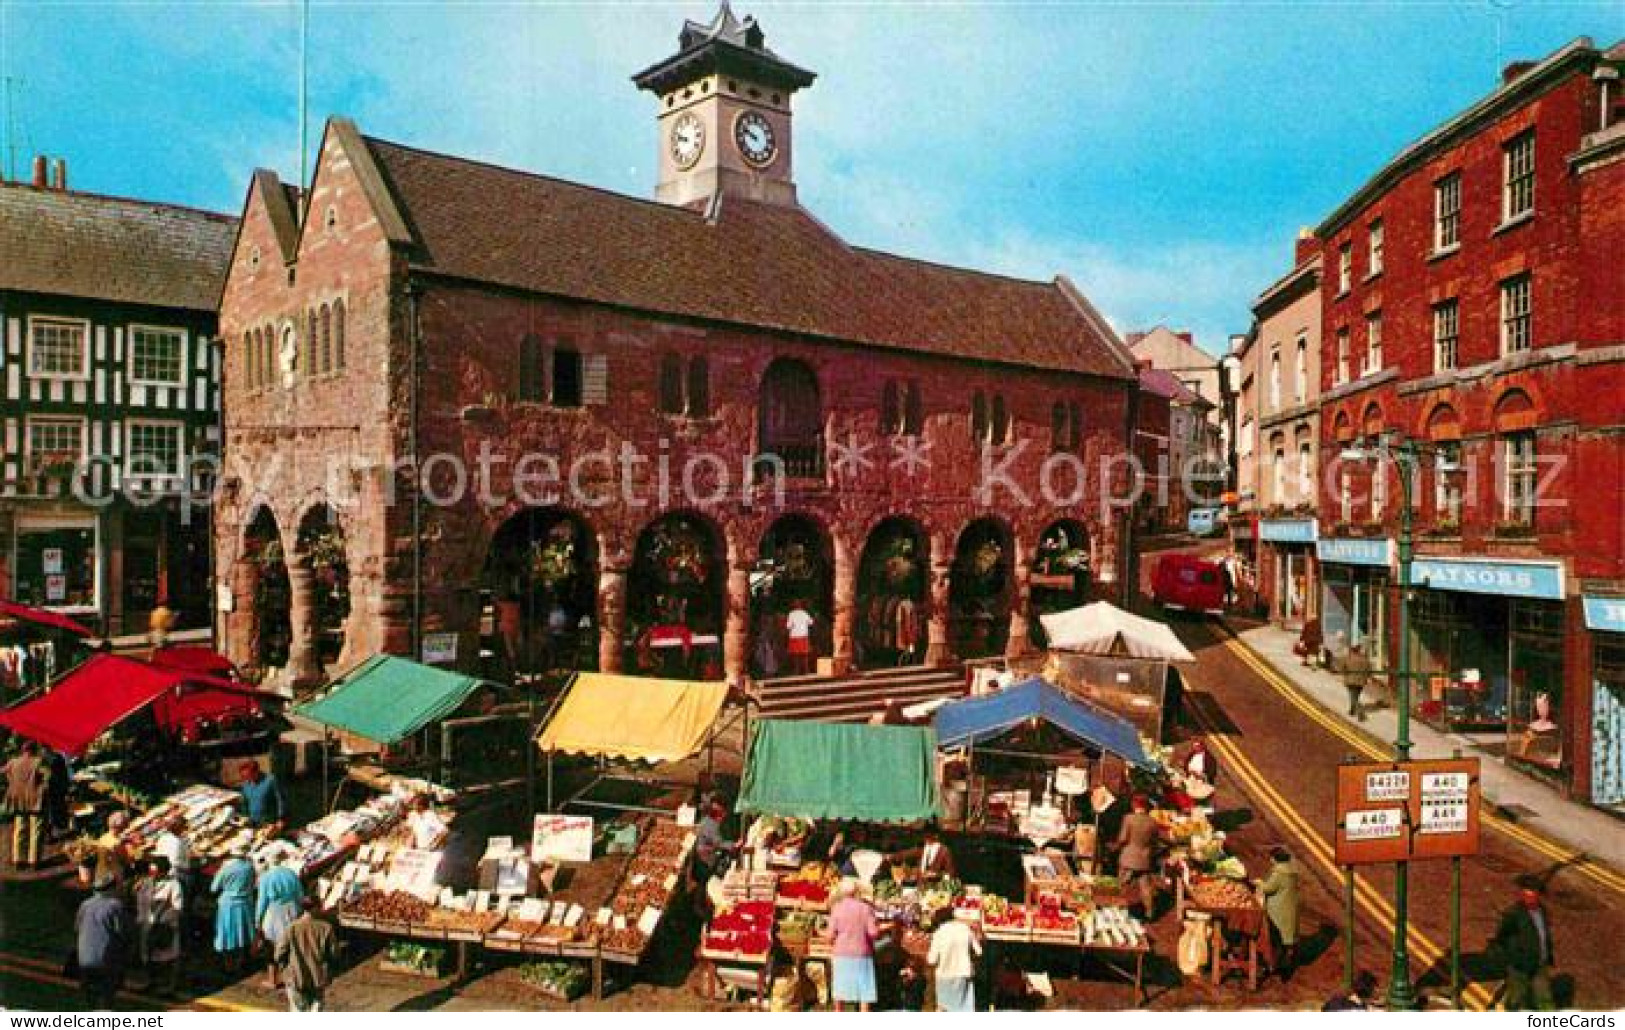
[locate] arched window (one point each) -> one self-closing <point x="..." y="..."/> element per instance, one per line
<point x="308" y="358"/>
<point x="530" y="369"/>
<point x="1075" y="410"/>
<point x="978" y="417"/>
<point x="1058" y="427"/>
<point x="1001" y="420"/>
<point x="913" y="418"/>
<point x="326" y="354"/>
<point x="267" y="357"/>
<point x="338" y="335"/>
<point x="290" y="346"/>
<point x="248" y="359"/>
<point x="790" y="417"/>
<point x="671" y="384"/>
<point x="1275" y="380"/>
<point x="699" y="387"/>
<point x="890" y="409"/>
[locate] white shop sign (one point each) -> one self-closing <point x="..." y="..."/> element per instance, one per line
<point x="1388" y="786"/>
<point x="1375" y="824"/>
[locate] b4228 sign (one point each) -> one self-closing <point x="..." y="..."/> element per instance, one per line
<point x="1398" y="811"/>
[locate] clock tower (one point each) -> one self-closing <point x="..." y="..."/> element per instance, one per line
<point x="724" y="114"/>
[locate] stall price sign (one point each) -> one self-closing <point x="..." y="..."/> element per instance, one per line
<point x="561" y="838"/>
<point x="1398" y="811"/>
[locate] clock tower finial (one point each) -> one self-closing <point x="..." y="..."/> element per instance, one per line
<point x="724" y="113"/>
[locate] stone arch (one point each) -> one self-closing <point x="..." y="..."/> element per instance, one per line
<point x="539" y="583"/>
<point x="322" y="558"/>
<point x="1442" y="423"/>
<point x="894" y="593"/>
<point x="1515" y="410"/>
<point x="1343" y="428"/>
<point x="1062" y="572"/>
<point x="677" y="596"/>
<point x="1371" y="421"/>
<point x="981" y="588"/>
<point x="264" y="593"/>
<point x="795" y="568"/>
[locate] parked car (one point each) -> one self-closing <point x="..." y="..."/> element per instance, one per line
<point x="1204" y="521"/>
<point x="1184" y="582"/>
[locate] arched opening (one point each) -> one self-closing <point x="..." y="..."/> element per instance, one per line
<point x="791" y="597"/>
<point x="979" y="590"/>
<point x="791" y="418"/>
<point x="893" y="581"/>
<point x="1060" y="575"/>
<point x="540" y="588"/>
<point x="272" y="597"/>
<point x="321" y="547"/>
<point x="676" y="598"/>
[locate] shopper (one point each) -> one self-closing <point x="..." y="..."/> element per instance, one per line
<point x="159" y="903"/>
<point x="933" y="858"/>
<point x="798" y="626"/>
<point x="853" y="932"/>
<point x="101" y="944"/>
<point x="1136" y="859"/>
<point x="280" y="900"/>
<point x="1280" y="892"/>
<point x="1356" y="669"/>
<point x="26" y="779"/>
<point x="1524" y="942"/>
<point x="953" y="954"/>
<point x="58" y="788"/>
<point x="262" y="801"/>
<point x="428" y="829"/>
<point x="1201" y="766"/>
<point x="234" y="908"/>
<point x="306" y="956"/>
<point x="1363" y="998"/>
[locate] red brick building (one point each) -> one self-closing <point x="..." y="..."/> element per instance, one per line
<point x="1474" y="299"/>
<point x="648" y="431"/>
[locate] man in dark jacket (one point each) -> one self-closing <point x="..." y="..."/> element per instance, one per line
<point x="1524" y="942"/>
<point x="26" y="782"/>
<point x="306" y="955"/>
<point x="102" y="933"/>
<point x="1356" y="672"/>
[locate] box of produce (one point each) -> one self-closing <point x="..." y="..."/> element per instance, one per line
<point x="1221" y="893"/>
<point x="413" y="959"/>
<point x="565" y="981"/>
<point x="1113" y="928"/>
<point x="623" y="944"/>
<point x="1004" y="921"/>
<point x="1055" y="926"/>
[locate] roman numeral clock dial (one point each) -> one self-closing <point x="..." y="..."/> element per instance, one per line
<point x="753" y="134"/>
<point x="687" y="140"/>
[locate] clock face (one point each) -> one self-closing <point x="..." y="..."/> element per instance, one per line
<point x="754" y="135"/>
<point x="687" y="140"/>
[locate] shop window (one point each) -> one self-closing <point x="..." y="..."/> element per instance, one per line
<point x="1535" y="701"/>
<point x="56" y="566"/>
<point x="157" y="355"/>
<point x="1519" y="477"/>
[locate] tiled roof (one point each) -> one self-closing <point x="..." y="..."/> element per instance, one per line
<point x="745" y="262"/>
<point x="1167" y="385"/>
<point x="107" y="248"/>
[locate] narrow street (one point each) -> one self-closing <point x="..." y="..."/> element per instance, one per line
<point x="1281" y="750"/>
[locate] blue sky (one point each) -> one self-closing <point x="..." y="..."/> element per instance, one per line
<point x="1162" y="154"/>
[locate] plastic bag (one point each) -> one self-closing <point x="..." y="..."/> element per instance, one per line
<point x="1193" y="947"/>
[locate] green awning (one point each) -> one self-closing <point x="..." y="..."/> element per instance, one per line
<point x="824" y="770"/>
<point x="387" y="699"/>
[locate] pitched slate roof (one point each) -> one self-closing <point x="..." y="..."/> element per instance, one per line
<point x="108" y="248"/>
<point x="743" y="262"/>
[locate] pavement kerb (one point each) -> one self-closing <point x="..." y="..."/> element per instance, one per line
<point x="1570" y="831"/>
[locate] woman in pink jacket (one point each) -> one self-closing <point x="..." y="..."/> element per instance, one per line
<point x="853" y="932"/>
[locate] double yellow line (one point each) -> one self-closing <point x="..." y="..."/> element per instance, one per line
<point x="1364" y="745"/>
<point x="40" y="971"/>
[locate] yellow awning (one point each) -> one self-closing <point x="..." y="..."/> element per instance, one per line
<point x="630" y="717"/>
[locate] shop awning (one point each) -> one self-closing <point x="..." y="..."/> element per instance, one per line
<point x="973" y="720"/>
<point x="824" y="770"/>
<point x="95" y="696"/>
<point x="194" y="658"/>
<point x="42" y="617"/>
<point x="631" y="718"/>
<point x="387" y="699"/>
<point x="1102" y="628"/>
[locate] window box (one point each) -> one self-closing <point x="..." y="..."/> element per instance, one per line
<point x="1514" y="530"/>
<point x="1444" y="528"/>
<point x="1371" y="529"/>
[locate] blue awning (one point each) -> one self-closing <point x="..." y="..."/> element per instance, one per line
<point x="976" y="719"/>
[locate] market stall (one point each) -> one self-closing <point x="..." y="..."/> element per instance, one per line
<point x="628" y="724"/>
<point x="35" y="644"/>
<point x="1118" y="660"/>
<point x="824" y="770"/>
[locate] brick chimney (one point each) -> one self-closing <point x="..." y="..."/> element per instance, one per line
<point x="1185" y="335"/>
<point x="1304" y="247"/>
<point x="40" y="164"/>
<point x="59" y="174"/>
<point x="1515" y="70"/>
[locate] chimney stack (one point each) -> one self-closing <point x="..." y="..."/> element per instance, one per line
<point x="39" y="171"/>
<point x="1515" y="70"/>
<point x="1304" y="247"/>
<point x="59" y="174"/>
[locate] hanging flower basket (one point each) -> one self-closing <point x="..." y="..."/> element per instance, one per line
<point x="553" y="561"/>
<point x="984" y="560"/>
<point x="325" y="550"/>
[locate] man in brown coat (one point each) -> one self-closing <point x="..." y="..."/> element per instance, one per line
<point x="306" y="955"/>
<point x="1137" y="844"/>
<point x="26" y="776"/>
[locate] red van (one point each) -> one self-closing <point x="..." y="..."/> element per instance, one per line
<point x="1183" y="582"/>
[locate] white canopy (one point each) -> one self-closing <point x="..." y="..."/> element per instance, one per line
<point x="1105" y="629"/>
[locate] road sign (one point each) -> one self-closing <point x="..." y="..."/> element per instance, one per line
<point x="1398" y="811"/>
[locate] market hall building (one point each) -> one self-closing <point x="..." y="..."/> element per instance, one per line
<point x="108" y="393"/>
<point x="1473" y="300"/>
<point x="720" y="338"/>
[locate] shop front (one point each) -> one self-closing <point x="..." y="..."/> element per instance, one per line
<point x="1490" y="633"/>
<point x="1605" y="618"/>
<point x="1287" y="570"/>
<point x="1355" y="576"/>
<point x="56" y="563"/>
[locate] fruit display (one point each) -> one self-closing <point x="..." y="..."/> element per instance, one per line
<point x="1221" y="893"/>
<point x="1006" y="921"/>
<point x="389" y="907"/>
<point x="627" y="940"/>
<point x="744" y="931"/>
<point x="1113" y="928"/>
<point x="808" y="887"/>
<point x="801" y="926"/>
<point x="456" y="921"/>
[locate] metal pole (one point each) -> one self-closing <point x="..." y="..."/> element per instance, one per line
<point x="1401" y="992"/>
<point x="530" y="748"/>
<point x="1455" y="932"/>
<point x="1348" y="928"/>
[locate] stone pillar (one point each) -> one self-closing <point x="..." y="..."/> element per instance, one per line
<point x="242" y="622"/>
<point x="1021" y="596"/>
<point x="611" y="617"/>
<point x="302" y="669"/>
<point x="937" y="651"/>
<point x="736" y="629"/>
<point x="842" y="619"/>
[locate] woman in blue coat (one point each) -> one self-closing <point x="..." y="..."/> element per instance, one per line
<point x="281" y="900"/>
<point x="234" y="912"/>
